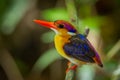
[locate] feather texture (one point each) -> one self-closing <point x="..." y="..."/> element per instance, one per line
<point x="71" y="45"/>
<point x="79" y="48"/>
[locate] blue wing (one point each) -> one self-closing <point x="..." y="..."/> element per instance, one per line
<point x="79" y="48"/>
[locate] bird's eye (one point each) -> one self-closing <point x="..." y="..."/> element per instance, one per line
<point x="61" y="26"/>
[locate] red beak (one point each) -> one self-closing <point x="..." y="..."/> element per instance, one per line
<point x="45" y="23"/>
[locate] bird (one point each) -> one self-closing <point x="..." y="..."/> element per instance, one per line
<point x="71" y="44"/>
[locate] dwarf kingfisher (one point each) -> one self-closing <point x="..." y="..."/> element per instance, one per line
<point x="71" y="44"/>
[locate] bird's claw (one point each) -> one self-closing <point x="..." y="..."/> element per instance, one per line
<point x="71" y="68"/>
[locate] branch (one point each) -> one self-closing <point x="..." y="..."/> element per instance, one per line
<point x="70" y="72"/>
<point x="72" y="12"/>
<point x="74" y="20"/>
<point x="86" y="32"/>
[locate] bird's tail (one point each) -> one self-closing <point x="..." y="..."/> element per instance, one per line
<point x="97" y="60"/>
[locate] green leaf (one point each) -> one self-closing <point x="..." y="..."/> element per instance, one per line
<point x="55" y="14"/>
<point x="48" y="37"/>
<point x="116" y="74"/>
<point x="13" y="15"/>
<point x="114" y="50"/>
<point x="86" y="72"/>
<point x="92" y="22"/>
<point x="46" y="59"/>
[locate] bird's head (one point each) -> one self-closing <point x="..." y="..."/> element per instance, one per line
<point x="61" y="27"/>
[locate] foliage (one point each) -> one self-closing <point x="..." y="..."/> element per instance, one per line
<point x="29" y="49"/>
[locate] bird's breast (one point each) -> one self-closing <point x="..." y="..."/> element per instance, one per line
<point x="60" y="41"/>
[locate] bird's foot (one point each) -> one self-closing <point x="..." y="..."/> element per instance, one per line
<point x="71" y="67"/>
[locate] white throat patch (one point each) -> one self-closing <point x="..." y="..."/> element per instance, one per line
<point x="71" y="33"/>
<point x="55" y="30"/>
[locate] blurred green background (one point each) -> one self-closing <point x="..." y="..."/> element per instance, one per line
<point x="27" y="50"/>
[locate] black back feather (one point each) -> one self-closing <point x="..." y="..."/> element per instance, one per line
<point x="79" y="48"/>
